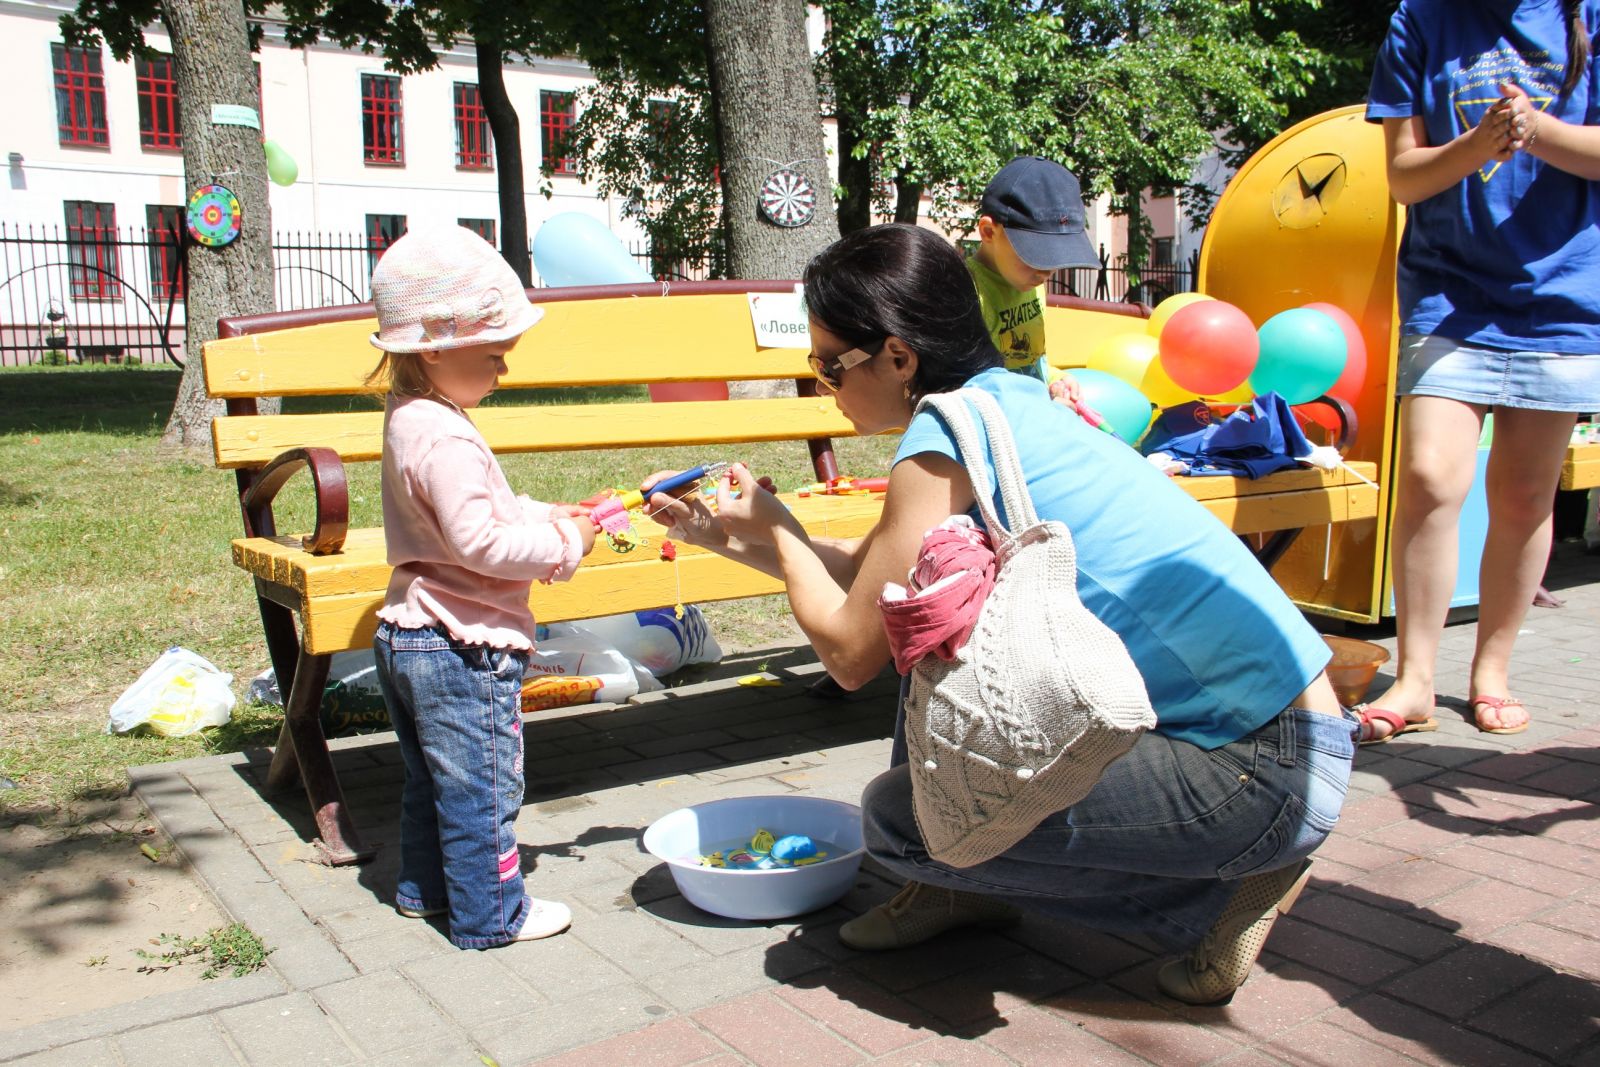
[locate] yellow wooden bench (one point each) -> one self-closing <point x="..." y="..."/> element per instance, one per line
<point x="319" y="591"/>
<point x="1581" y="468"/>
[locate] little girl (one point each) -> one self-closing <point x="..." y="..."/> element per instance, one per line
<point x="455" y="631"/>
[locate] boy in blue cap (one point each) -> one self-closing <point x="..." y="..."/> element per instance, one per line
<point x="1031" y="224"/>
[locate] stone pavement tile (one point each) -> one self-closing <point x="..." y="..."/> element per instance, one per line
<point x="1472" y="913"/>
<point x="475" y="988"/>
<point x="388" y="950"/>
<point x="1429" y="832"/>
<point x="1358" y="914"/>
<point x="1569" y="778"/>
<point x="1513" y="766"/>
<point x="544" y="1031"/>
<point x="558" y="766"/>
<point x="669" y="1044"/>
<point x="1321" y="1044"/>
<point x="866" y="1015"/>
<point x="995" y="989"/>
<point x="1373" y="774"/>
<point x="767" y="1031"/>
<point x="1343" y="957"/>
<point x="195" y="1042"/>
<point x="946" y="955"/>
<point x="77" y="1055"/>
<point x="1362" y="853"/>
<point x="383" y="1013"/>
<point x="291" y="1031"/>
<point x="555" y="875"/>
<point x="714" y="933"/>
<point x="1515" y="794"/>
<point x="1553" y="1017"/>
<point x="1460" y="984"/>
<point x="1578" y="917"/>
<point x="1559" y="948"/>
<point x="446" y="1052"/>
<point x="638" y="943"/>
<point x="1140" y="1027"/>
<point x="1545" y="850"/>
<point x="359" y="919"/>
<point x="1422" y="1035"/>
<point x="1090" y="952"/>
<point x="947" y="1051"/>
<point x="1373" y="813"/>
<point x="1040" y="1036"/>
<point x="1514" y="869"/>
<point x="561" y="968"/>
<point x="738" y="973"/>
<point x="1273" y="1001"/>
<point x="1466" y="804"/>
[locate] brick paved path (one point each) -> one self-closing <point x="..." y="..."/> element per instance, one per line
<point x="1454" y="917"/>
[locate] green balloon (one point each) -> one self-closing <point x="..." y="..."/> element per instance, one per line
<point x="281" y="166"/>
<point x="1302" y="354"/>
<point x="1125" y="409"/>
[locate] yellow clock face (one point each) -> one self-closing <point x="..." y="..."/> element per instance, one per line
<point x="1308" y="190"/>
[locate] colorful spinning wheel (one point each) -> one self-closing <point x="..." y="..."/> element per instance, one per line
<point x="213" y="216"/>
<point x="788" y="198"/>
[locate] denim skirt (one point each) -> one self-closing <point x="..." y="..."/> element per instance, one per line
<point x="1498" y="377"/>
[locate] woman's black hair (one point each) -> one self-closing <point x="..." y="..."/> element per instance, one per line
<point x="911" y="283"/>
<point x="1578" y="46"/>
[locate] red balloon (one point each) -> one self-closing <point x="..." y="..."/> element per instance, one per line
<point x="1209" y="347"/>
<point x="1348" y="386"/>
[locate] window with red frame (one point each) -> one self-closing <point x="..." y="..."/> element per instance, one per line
<point x="80" y="96"/>
<point x="382" y="231"/>
<point x="380" y="120"/>
<point x="158" y="103"/>
<point x="556" y="113"/>
<point x="164" y="231"/>
<point x="92" y="250"/>
<point x="482" y="227"/>
<point x="473" y="148"/>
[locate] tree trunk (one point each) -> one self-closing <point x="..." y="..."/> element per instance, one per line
<point x="507" y="130"/>
<point x="767" y="117"/>
<point x="908" y="200"/>
<point x="211" y="56"/>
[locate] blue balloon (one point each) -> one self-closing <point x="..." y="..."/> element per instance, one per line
<point x="576" y="249"/>
<point x="1125" y="409"/>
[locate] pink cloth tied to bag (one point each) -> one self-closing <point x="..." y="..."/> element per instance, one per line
<point x="936" y="611"/>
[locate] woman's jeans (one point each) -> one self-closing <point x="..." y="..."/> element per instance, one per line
<point x="1154" y="848"/>
<point x="455" y="710"/>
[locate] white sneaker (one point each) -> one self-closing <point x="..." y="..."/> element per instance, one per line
<point x="545" y="918"/>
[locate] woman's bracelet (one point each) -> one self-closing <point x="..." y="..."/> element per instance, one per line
<point x="1533" y="131"/>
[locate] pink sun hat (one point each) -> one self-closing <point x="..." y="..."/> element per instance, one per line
<point x="445" y="287"/>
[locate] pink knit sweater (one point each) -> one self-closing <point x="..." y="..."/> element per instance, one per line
<point x="464" y="547"/>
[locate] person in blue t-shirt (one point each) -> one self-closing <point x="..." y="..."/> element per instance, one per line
<point x="1198" y="837"/>
<point x="1489" y="112"/>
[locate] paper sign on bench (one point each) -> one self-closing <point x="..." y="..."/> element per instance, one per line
<point x="779" y="319"/>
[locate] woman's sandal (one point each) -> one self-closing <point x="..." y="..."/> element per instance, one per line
<point x="1497" y="703"/>
<point x="1398" y="724"/>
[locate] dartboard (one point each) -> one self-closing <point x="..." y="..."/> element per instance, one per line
<point x="213" y="216"/>
<point x="787" y="198"/>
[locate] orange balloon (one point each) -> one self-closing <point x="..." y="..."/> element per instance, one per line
<point x="1209" y="347"/>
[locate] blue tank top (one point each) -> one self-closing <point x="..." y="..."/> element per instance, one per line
<point x="1221" y="647"/>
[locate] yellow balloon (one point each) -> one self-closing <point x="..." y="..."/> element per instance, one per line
<point x="1167" y="308"/>
<point x="1125" y="355"/>
<point x="1162" y="390"/>
<point x="1239" y="394"/>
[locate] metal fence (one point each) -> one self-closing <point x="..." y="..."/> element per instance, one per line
<point x="88" y="294"/>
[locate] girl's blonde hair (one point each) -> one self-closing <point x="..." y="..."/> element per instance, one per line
<point x="400" y="374"/>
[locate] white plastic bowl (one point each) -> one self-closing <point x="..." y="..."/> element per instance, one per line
<point x="681" y="837"/>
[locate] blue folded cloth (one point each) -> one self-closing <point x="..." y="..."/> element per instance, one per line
<point x="1254" y="440"/>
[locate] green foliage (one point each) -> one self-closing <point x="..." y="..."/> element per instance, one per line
<point x="121" y="24"/>
<point x="233" y="947"/>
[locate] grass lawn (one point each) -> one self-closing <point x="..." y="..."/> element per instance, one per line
<point x="112" y="550"/>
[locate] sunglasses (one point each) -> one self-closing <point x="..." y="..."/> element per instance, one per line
<point x="829" y="372"/>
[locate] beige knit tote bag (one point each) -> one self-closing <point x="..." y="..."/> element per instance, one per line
<point x="1043" y="696"/>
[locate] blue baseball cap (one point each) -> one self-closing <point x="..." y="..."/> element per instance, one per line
<point x="1039" y="203"/>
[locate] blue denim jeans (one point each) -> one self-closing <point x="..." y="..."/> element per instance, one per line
<point x="1155" y="847"/>
<point x="455" y="710"/>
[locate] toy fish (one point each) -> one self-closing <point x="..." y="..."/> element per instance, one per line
<point x="796" y="850"/>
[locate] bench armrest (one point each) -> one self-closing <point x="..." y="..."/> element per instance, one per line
<point x="1347" y="420"/>
<point x="328" y="484"/>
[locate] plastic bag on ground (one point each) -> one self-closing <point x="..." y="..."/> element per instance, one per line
<point x="571" y="666"/>
<point x="352" y="700"/>
<point x="658" y="640"/>
<point x="181" y="693"/>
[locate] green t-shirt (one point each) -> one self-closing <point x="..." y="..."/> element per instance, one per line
<point x="1015" y="320"/>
